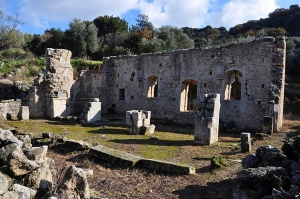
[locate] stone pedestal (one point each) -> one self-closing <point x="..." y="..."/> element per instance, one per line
<point x="207" y="119"/>
<point x="135" y="120"/>
<point x="24" y="113"/>
<point x="59" y="107"/>
<point x="149" y="129"/>
<point x="92" y="111"/>
<point x="245" y="142"/>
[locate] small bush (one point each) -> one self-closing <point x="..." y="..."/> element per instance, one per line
<point x="217" y="162"/>
<point x="13" y="54"/>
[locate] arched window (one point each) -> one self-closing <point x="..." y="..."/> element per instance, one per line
<point x="233" y="89"/>
<point x="188" y="94"/>
<point x="152" y="86"/>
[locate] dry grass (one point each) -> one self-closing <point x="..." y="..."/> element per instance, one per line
<point x="173" y="143"/>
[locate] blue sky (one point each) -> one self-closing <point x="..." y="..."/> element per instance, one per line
<point x="40" y="15"/>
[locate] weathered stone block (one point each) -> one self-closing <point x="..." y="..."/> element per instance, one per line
<point x="114" y="156"/>
<point x="206" y="128"/>
<point x="246" y="142"/>
<point x="149" y="129"/>
<point x="77" y="144"/>
<point x="167" y="166"/>
<point x="24" y="113"/>
<point x="137" y="115"/>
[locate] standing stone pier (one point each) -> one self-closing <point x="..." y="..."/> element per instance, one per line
<point x="207" y="119"/>
<point x="50" y="93"/>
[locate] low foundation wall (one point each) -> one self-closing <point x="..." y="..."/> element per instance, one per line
<point x="9" y="108"/>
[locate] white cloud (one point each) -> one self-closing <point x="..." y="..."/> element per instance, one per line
<point x="240" y="11"/>
<point x="179" y="13"/>
<point x="37" y="12"/>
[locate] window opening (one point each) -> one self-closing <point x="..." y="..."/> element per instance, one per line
<point x="122" y="94"/>
<point x="233" y="89"/>
<point x="235" y="93"/>
<point x="152" y="86"/>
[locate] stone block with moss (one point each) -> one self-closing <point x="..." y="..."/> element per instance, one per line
<point x="167" y="166"/>
<point x="114" y="156"/>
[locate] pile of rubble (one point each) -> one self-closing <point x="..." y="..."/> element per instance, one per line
<point x="26" y="172"/>
<point x="271" y="174"/>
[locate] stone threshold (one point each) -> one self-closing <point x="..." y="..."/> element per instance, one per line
<point x="129" y="160"/>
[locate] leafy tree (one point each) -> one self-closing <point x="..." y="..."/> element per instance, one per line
<point x="143" y="22"/>
<point x="110" y="24"/>
<point x="153" y="45"/>
<point x="275" y="31"/>
<point x="56" y="39"/>
<point x="35" y="45"/>
<point x="81" y="38"/>
<point x="250" y="32"/>
<point x="9" y="35"/>
<point x="166" y="38"/>
<point x="91" y="38"/>
<point x="145" y="33"/>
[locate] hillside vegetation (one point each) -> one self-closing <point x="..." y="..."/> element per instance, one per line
<point x="22" y="55"/>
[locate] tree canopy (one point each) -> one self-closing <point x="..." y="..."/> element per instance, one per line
<point x="110" y="24"/>
<point x="9" y="35"/>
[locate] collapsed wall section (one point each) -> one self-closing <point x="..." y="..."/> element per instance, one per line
<point x="50" y="93"/>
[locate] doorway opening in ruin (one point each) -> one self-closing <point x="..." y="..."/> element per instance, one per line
<point x="188" y="94"/>
<point x="152" y="86"/>
<point x="233" y="90"/>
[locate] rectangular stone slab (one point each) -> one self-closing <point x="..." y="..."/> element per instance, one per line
<point x="167" y="166"/>
<point x="114" y="156"/>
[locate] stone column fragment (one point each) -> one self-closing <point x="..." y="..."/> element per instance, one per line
<point x="245" y="142"/>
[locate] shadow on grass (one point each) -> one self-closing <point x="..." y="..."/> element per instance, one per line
<point x="173" y="128"/>
<point x="109" y="131"/>
<point x="296" y="127"/>
<point x="155" y="142"/>
<point x="61" y="123"/>
<point x="213" y="190"/>
<point x="292" y="134"/>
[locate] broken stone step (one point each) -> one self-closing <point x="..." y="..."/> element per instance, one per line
<point x="114" y="156"/>
<point x="77" y="144"/>
<point x="167" y="166"/>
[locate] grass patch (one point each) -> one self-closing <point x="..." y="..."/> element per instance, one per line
<point x="164" y="146"/>
<point x="174" y="143"/>
<point x="79" y="64"/>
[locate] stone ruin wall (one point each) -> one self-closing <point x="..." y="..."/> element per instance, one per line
<point x="259" y="65"/>
<point x="162" y="83"/>
<point x="9" y="108"/>
<point x="88" y="85"/>
<point x="50" y="93"/>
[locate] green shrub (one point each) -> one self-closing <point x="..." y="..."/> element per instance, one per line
<point x="13" y="53"/>
<point x="217" y="162"/>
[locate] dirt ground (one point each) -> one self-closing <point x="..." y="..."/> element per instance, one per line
<point x="115" y="181"/>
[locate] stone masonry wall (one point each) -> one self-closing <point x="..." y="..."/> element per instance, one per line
<point x="88" y="85"/>
<point x="49" y="96"/>
<point x="248" y="76"/>
<point x="258" y="66"/>
<point x="10" y="107"/>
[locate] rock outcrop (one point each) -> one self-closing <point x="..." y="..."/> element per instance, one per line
<point x="74" y="184"/>
<point x="270" y="173"/>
